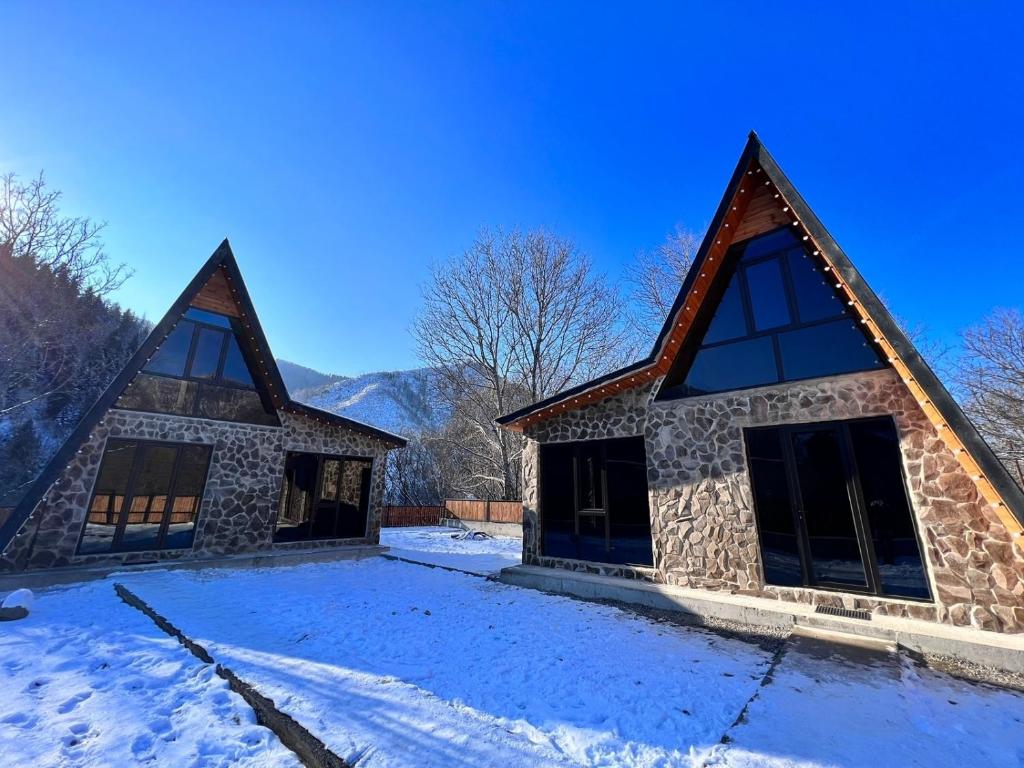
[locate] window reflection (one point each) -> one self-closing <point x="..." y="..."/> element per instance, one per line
<point x="593" y="501"/>
<point x="146" y="497"/>
<point x="851" y="511"/>
<point x="779" y="319"/>
<point x="323" y="497"/>
<point x="200" y="370"/>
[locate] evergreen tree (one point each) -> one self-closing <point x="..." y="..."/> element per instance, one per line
<point x="61" y="341"/>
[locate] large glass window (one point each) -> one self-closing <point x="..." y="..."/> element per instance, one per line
<point x="593" y="501"/>
<point x="778" y="319"/>
<point x="200" y="370"/>
<point x="832" y="508"/>
<point x="146" y="497"/>
<point x="780" y="551"/>
<point x="323" y="497"/>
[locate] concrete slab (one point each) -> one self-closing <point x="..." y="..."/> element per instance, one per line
<point x="267" y="559"/>
<point x="989" y="649"/>
<point x="844" y="638"/>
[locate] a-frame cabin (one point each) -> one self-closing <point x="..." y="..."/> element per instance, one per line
<point x="783" y="439"/>
<point x="197" y="451"/>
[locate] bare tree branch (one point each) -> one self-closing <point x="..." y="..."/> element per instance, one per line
<point x="990" y="382"/>
<point x="514" y="319"/>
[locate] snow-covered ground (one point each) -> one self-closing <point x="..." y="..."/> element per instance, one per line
<point x="87" y="681"/>
<point x="437" y="545"/>
<point x="396" y="664"/>
<point x="826" y="708"/>
<point x="406" y="665"/>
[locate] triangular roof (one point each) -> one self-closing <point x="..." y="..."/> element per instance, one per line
<point x="218" y="286"/>
<point x="760" y="198"/>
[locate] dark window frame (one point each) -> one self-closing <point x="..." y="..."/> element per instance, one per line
<point x="125" y="510"/>
<point x="217" y="379"/>
<point x="601" y="481"/>
<point x="578" y="446"/>
<point x="202" y="383"/>
<point x="287" y="489"/>
<point x="858" y="508"/>
<point x="735" y="265"/>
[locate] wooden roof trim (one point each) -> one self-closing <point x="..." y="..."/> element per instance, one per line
<point x="215" y="295"/>
<point x="969" y="464"/>
<point x="717" y="243"/>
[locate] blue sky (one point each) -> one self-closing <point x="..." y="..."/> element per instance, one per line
<point x="344" y="147"/>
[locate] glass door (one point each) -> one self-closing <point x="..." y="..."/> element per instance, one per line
<point x="825" y="506"/>
<point x="832" y="508"/>
<point x="591" y="512"/>
<point x="324" y="497"/>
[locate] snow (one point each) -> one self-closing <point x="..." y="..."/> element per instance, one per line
<point x="19" y="598"/>
<point x="398" y="664"/>
<point x="436" y="546"/>
<point x="402" y="402"/>
<point x="88" y="681"/>
<point x="824" y="708"/>
<point x="406" y="665"/>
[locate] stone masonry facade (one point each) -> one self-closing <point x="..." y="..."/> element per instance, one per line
<point x="239" y="506"/>
<point x="702" y="516"/>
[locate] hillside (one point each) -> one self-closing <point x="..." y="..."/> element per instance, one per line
<point x="397" y="401"/>
<point x="298" y="377"/>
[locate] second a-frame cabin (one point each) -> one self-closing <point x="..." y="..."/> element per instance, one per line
<point x="196" y="451"/>
<point x="783" y="439"/>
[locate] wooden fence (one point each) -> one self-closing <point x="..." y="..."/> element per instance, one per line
<point x="485" y="510"/>
<point x="468" y="510"/>
<point x="401" y="517"/>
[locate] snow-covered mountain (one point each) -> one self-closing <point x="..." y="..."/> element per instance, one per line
<point x="298" y="377"/>
<point x="397" y="401"/>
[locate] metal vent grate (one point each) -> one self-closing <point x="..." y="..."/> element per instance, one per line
<point x="850" y="614"/>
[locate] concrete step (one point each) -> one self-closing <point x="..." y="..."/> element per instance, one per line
<point x="882" y="645"/>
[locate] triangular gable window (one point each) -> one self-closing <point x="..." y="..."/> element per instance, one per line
<point x="778" y="319"/>
<point x="200" y="370"/>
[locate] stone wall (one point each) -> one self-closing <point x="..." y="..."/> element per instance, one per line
<point x="239" y="505"/>
<point x="703" y="526"/>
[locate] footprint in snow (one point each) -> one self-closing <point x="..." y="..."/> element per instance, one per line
<point x="73" y="702"/>
<point x="21" y="720"/>
<point x="142" y="746"/>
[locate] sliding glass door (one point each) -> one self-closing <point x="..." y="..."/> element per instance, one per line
<point x="593" y="501"/>
<point x="323" y="497"/>
<point x="832" y="508"/>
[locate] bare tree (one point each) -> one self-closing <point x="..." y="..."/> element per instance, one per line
<point x="32" y="226"/>
<point x="61" y="342"/>
<point x="514" y="319"/>
<point x="39" y="349"/>
<point x="421" y="473"/>
<point x="654" y="279"/>
<point x="990" y="381"/>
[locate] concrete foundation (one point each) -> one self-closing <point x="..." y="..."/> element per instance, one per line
<point x="266" y="559"/>
<point x="1000" y="651"/>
